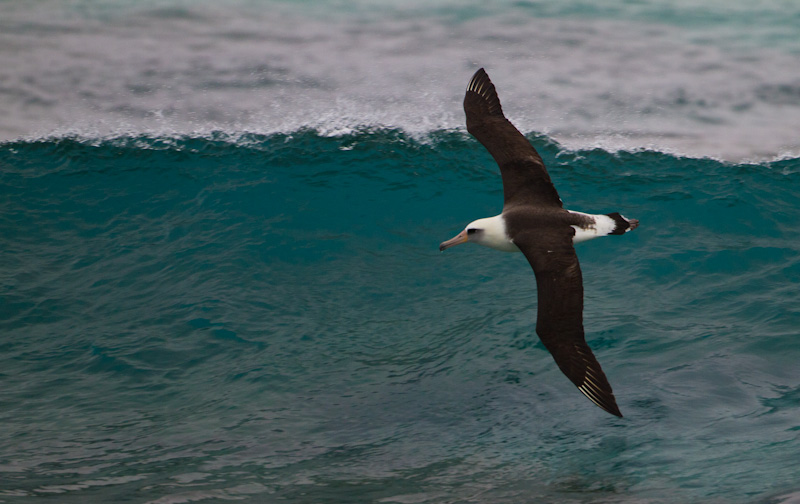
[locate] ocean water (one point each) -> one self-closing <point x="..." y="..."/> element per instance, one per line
<point x="219" y="267"/>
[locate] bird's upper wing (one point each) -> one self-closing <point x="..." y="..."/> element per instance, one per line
<point x="559" y="322"/>
<point x="525" y="179"/>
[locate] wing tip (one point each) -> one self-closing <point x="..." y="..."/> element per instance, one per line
<point x="592" y="382"/>
<point x="482" y="85"/>
<point x="605" y="400"/>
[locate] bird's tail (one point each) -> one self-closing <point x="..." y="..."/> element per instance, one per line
<point x="623" y="224"/>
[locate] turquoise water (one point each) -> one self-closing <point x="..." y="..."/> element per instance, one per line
<point x="219" y="267"/>
<point x="269" y="318"/>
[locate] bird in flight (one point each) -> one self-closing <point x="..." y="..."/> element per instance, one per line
<point x="534" y="222"/>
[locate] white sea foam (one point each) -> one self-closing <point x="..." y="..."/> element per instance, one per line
<point x="700" y="88"/>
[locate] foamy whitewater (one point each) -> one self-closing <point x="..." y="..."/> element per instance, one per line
<point x="219" y="266"/>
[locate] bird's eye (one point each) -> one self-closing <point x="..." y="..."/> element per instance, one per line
<point x="471" y="231"/>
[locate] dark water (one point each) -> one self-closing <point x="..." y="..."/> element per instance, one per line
<point x="268" y="318"/>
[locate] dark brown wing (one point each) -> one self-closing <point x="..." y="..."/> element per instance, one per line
<point x="559" y="322"/>
<point x="525" y="179"/>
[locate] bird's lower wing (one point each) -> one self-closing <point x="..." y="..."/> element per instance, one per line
<point x="559" y="322"/>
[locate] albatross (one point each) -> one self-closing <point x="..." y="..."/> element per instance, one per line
<point x="534" y="222"/>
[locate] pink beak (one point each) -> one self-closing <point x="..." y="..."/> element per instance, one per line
<point x="456" y="240"/>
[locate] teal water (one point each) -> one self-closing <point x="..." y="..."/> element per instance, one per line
<point x="267" y="318"/>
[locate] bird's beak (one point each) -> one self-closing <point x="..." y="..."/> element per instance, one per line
<point x="456" y="240"/>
